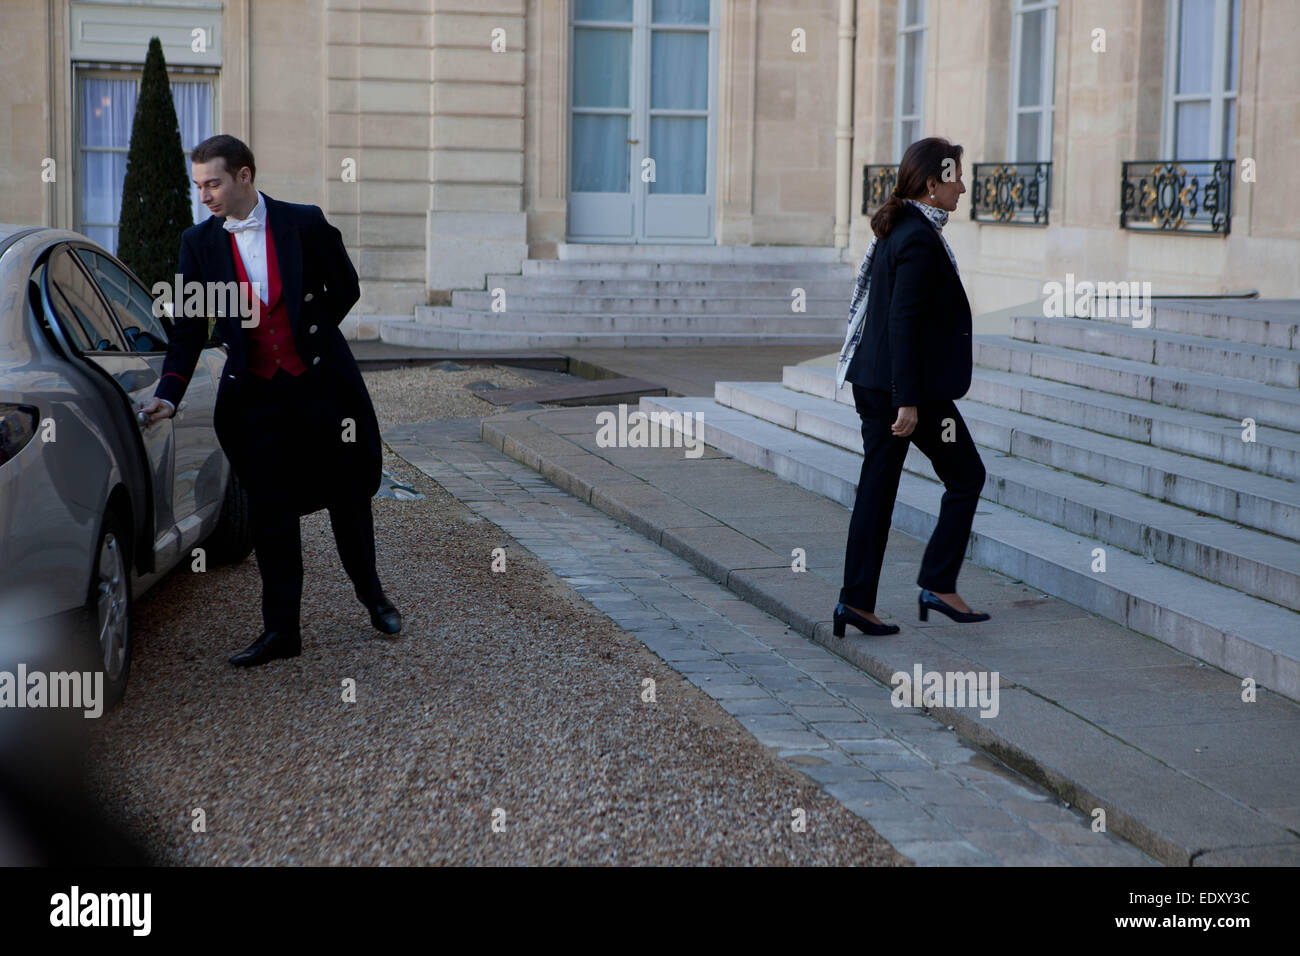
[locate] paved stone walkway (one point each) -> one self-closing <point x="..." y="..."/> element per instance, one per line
<point x="935" y="799"/>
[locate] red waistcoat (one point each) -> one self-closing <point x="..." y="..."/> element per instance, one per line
<point x="270" y="342"/>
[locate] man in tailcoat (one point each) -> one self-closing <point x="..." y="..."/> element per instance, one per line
<point x="293" y="414"/>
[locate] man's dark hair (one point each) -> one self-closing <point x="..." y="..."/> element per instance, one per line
<point x="234" y="151"/>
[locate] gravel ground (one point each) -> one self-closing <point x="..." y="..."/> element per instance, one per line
<point x="421" y="394"/>
<point x="504" y="692"/>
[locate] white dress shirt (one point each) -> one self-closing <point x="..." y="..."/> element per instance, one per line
<point x="252" y="247"/>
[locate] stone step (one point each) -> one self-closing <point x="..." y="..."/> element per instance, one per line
<point x="1241" y="634"/>
<point x="1238" y="494"/>
<point x="1273" y="452"/>
<point x="693" y="271"/>
<point x="602" y="391"/>
<point x="730" y="287"/>
<point x="444" y="317"/>
<point x="1218" y="395"/>
<point x="1255" y="363"/>
<point x="421" y="335"/>
<point x="828" y="307"/>
<point x="376" y="356"/>
<point x="1255" y="562"/>
<point x="1273" y="322"/>
<point x="691" y="253"/>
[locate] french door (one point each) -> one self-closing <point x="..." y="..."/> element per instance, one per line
<point x="643" y="84"/>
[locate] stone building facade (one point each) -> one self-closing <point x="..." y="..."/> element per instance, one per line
<point x="450" y="139"/>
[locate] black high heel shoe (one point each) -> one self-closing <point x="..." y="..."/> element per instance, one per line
<point x="844" y="615"/>
<point x="926" y="600"/>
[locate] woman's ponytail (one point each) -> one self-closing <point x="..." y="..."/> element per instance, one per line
<point x="923" y="160"/>
<point x="882" y="223"/>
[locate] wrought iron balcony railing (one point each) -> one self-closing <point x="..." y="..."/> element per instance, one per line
<point x="1186" y="197"/>
<point x="877" y="184"/>
<point x="1012" y="193"/>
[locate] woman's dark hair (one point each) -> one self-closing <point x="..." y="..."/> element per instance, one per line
<point x="923" y="160"/>
<point x="235" y="153"/>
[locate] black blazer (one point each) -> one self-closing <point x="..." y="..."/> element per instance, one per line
<point x="318" y="285"/>
<point x="916" y="337"/>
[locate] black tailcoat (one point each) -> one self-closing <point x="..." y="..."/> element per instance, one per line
<point x="319" y="286"/>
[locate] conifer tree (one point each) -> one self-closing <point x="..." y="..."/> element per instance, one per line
<point x="156" y="192"/>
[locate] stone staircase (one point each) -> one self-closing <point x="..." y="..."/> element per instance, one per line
<point x="1095" y="435"/>
<point x="638" y="296"/>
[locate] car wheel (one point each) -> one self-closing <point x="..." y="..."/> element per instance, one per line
<point x="108" y="607"/>
<point x="232" y="539"/>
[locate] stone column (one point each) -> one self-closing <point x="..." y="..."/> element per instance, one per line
<point x="844" y="126"/>
<point x="737" y="78"/>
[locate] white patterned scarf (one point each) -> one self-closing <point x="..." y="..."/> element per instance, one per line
<point x="858" y="305"/>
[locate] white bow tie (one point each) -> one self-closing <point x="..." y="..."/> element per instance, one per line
<point x="239" y="225"/>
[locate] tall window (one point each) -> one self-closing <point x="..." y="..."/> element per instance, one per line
<point x="909" y="76"/>
<point x="105" y="110"/>
<point x="679" y="94"/>
<point x="1033" y="67"/>
<point x="1201" y="79"/>
<point x="602" y="96"/>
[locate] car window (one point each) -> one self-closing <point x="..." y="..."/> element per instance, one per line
<point x="79" y="309"/>
<point x="34" y="296"/>
<point x="144" y="331"/>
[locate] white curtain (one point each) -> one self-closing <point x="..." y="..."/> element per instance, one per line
<point x="680" y="146"/>
<point x="680" y="11"/>
<point x="106" y="108"/>
<point x="106" y="112"/>
<point x="602" y="65"/>
<point x="603" y="10"/>
<point x="194" y="116"/>
<point x="602" y="80"/>
<point x="910" y="77"/>
<point x="1033" y="115"/>
<point x="679" y="80"/>
<point x="1196" y="40"/>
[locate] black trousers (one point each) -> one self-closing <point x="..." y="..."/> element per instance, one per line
<point x="956" y="462"/>
<point x="278" y="542"/>
<point x="289" y="424"/>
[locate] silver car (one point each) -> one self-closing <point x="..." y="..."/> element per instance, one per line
<point x="94" y="507"/>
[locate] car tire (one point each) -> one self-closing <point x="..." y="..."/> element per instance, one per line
<point x="232" y="539"/>
<point x="109" y="605"/>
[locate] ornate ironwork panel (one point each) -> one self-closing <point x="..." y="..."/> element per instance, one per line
<point x="1013" y="193"/>
<point x="877" y="184"/>
<point x="1177" y="196"/>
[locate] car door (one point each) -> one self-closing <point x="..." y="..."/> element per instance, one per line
<point x="86" y="325"/>
<point x="198" y="465"/>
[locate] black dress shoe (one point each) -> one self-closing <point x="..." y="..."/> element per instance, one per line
<point x="269" y="646"/>
<point x="926" y="600"/>
<point x="384" y="616"/>
<point x="845" y="615"/>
